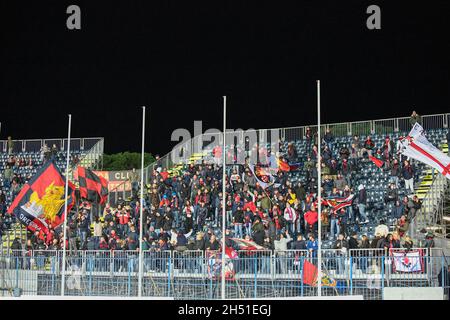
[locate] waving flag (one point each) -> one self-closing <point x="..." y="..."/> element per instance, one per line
<point x="416" y="146"/>
<point x="231" y="253"/>
<point x="92" y="187"/>
<point x="378" y="162"/>
<point x="310" y="275"/>
<point x="284" y="165"/>
<point x="337" y="203"/>
<point x="40" y="203"/>
<point x="264" y="178"/>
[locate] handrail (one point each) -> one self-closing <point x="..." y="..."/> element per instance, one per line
<point x="373" y="130"/>
<point x="24" y="147"/>
<point x="214" y="251"/>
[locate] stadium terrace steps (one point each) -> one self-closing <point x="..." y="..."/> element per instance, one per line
<point x="375" y="179"/>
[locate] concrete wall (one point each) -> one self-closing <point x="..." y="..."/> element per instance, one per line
<point x="414" y="293"/>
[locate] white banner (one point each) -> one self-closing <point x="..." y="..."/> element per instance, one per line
<point x="416" y="146"/>
<point x="408" y="262"/>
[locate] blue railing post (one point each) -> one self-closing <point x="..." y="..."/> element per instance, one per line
<point x="256" y="277"/>
<point x="351" y="275"/>
<point x="301" y="270"/>
<point x="169" y="274"/>
<point x="17" y="272"/>
<point x="90" y="274"/>
<point x="382" y="277"/>
<point x="129" y="277"/>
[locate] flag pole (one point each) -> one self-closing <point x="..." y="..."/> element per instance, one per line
<point x="319" y="198"/>
<point x="223" y="193"/>
<point x="141" y="214"/>
<point x="66" y="215"/>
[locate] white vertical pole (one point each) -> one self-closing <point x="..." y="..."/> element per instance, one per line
<point x="319" y="198"/>
<point x="223" y="193"/>
<point x="141" y="214"/>
<point x="66" y="214"/>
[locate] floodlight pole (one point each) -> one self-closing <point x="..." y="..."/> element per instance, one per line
<point x="223" y="193"/>
<point x="141" y="214"/>
<point x="66" y="214"/>
<point x="319" y="198"/>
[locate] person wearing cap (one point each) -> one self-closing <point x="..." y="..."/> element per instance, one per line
<point x="429" y="240"/>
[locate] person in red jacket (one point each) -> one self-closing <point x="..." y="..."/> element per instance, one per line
<point x="311" y="218"/>
<point x="123" y="216"/>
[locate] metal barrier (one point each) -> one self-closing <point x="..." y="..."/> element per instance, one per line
<point x="35" y="145"/>
<point x="120" y="191"/>
<point x="361" y="128"/>
<point x="186" y="274"/>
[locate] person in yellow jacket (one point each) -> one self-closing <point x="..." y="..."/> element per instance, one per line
<point x="291" y="196"/>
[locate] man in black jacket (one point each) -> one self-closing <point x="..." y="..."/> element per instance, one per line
<point x="408" y="176"/>
<point x="341" y="246"/>
<point x="72" y="235"/>
<point x="258" y="233"/>
<point x="238" y="221"/>
<point x="353" y="241"/>
<point x="299" y="244"/>
<point x="362" y="200"/>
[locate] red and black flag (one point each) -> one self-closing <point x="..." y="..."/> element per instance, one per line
<point x="378" y="162"/>
<point x="40" y="203"/>
<point x="92" y="187"/>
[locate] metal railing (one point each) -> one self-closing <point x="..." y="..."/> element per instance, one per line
<point x="187" y="274"/>
<point x="35" y="145"/>
<point x="123" y="190"/>
<point x="361" y="128"/>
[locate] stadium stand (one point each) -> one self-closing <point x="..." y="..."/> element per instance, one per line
<point x="182" y="218"/>
<point x="26" y="158"/>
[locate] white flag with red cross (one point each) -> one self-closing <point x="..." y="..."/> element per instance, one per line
<point x="417" y="146"/>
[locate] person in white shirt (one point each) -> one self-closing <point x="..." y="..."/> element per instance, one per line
<point x="290" y="216"/>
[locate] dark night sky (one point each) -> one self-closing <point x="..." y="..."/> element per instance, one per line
<point x="180" y="57"/>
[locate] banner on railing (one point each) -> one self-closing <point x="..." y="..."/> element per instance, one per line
<point x="408" y="261"/>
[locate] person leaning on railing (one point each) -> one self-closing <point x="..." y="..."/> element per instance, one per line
<point x="415" y="118"/>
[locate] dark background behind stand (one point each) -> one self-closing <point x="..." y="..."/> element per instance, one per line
<point x="180" y="57"/>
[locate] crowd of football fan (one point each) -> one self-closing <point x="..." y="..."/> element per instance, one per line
<point x="185" y="212"/>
